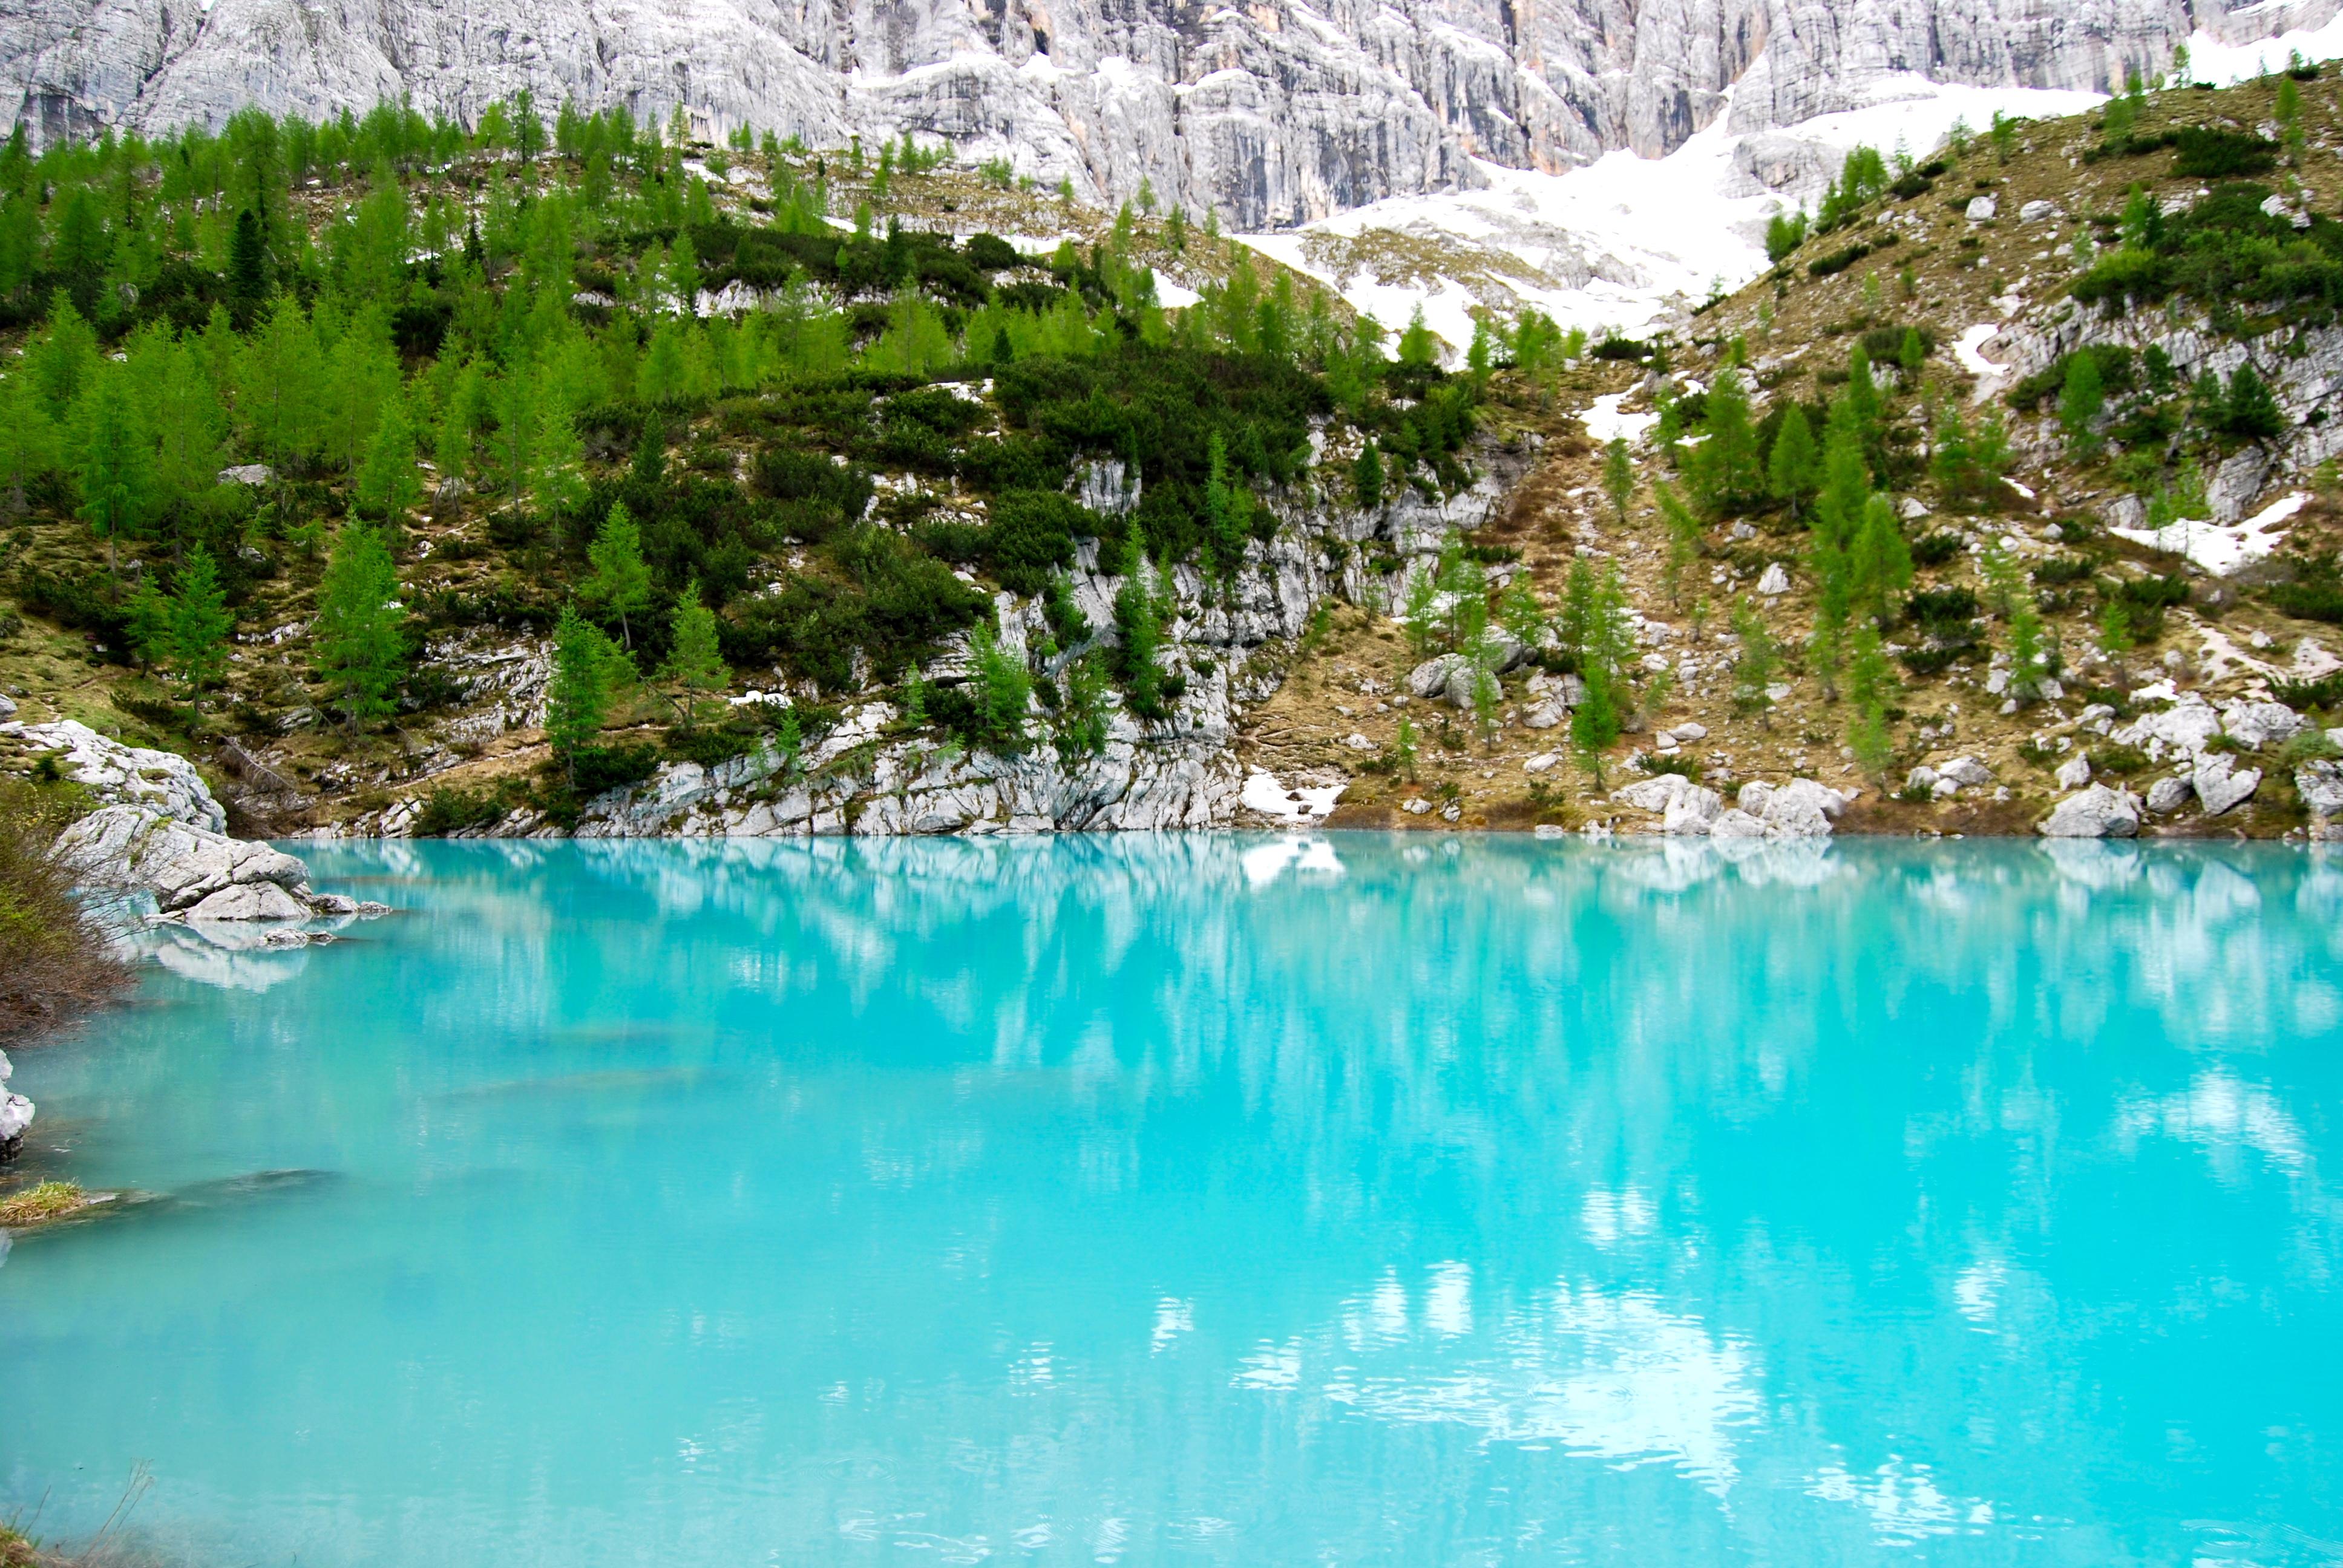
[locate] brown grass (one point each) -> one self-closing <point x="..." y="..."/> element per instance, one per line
<point x="38" y="1206"/>
<point x="55" y="960"/>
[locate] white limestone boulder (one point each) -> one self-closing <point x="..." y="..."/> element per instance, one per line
<point x="2097" y="812"/>
<point x="137" y="849"/>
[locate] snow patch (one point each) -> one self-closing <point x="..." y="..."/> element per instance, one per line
<point x="1264" y="794"/>
<point x="1604" y="423"/>
<point x="1968" y="350"/>
<point x="2211" y="60"/>
<point x="2220" y="549"/>
<point x="1174" y="296"/>
<point x="1626" y="242"/>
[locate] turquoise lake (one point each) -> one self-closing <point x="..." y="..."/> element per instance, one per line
<point x="1211" y="1200"/>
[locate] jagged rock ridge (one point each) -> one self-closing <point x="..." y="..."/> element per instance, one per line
<point x="1273" y="115"/>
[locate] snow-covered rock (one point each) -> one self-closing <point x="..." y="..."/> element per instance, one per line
<point x="2097" y="812"/>
<point x="123" y="775"/>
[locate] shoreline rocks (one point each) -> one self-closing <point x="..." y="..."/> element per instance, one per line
<point x="15" y="1115"/>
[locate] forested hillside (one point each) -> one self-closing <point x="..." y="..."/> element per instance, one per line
<point x="302" y="410"/>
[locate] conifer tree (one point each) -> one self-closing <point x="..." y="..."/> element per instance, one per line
<point x="1139" y="627"/>
<point x="1417" y="346"/>
<point x="64" y="358"/>
<point x="1367" y="477"/>
<point x="116" y="461"/>
<point x="249" y="281"/>
<point x="1724" y="470"/>
<point x="2080" y="402"/>
<point x="28" y="439"/>
<point x="199" y="622"/>
<point x="1870" y="684"/>
<point x="357" y="641"/>
<point x="587" y="670"/>
<point x="557" y="473"/>
<point x="695" y="663"/>
<point x="1795" y="468"/>
<point x="1684" y="541"/>
<point x="2250" y="411"/>
<point x="1760" y="660"/>
<point x="621" y="583"/>
<point x="388" y="486"/>
<point x="1879" y="562"/>
<point x="1002" y="689"/>
<point x="1618" y="478"/>
<point x="189" y="425"/>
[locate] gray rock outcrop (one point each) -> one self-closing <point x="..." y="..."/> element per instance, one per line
<point x="15" y="1114"/>
<point x="1273" y="114"/>
<point x="193" y="873"/>
<point x="2097" y="812"/>
<point x="119" y="775"/>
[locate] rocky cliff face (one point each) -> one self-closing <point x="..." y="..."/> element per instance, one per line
<point x="1228" y="644"/>
<point x="1274" y="113"/>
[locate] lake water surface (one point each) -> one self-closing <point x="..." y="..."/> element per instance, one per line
<point x="1213" y="1200"/>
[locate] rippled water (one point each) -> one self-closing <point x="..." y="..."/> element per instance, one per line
<point x="1211" y="1199"/>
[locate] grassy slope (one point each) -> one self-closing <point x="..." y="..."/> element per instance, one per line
<point x="1958" y="270"/>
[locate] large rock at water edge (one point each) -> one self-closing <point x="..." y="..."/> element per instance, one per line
<point x="137" y="849"/>
<point x="2098" y="812"/>
<point x="15" y="1114"/>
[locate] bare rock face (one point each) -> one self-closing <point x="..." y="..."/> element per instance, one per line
<point x="1273" y="114"/>
<point x="162" y="781"/>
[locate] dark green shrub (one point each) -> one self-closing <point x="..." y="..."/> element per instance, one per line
<point x="2325" y="693"/>
<point x="1934" y="606"/>
<point x="2209" y="152"/>
<point x="2118" y="368"/>
<point x="596" y="769"/>
<point x="1935" y="550"/>
<point x="448" y="810"/>
<point x="1031" y="535"/>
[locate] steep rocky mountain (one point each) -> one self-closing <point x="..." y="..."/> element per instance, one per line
<point x="1273" y="114"/>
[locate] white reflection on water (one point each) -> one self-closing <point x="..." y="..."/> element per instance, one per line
<point x="2222" y="1114"/>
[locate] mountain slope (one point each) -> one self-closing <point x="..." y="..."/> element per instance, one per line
<point x="1272" y="116"/>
